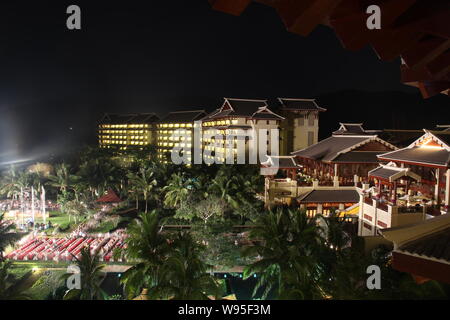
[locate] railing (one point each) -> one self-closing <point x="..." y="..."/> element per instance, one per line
<point x="415" y="209"/>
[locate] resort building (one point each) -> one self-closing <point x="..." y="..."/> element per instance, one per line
<point x="413" y="186"/>
<point x="183" y="122"/>
<point x="300" y="129"/>
<point x="345" y="158"/>
<point x="238" y="120"/>
<point x="125" y="131"/>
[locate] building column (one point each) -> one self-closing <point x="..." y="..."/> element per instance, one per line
<point x="319" y="208"/>
<point x="436" y="188"/>
<point x="336" y="168"/>
<point x="447" y="188"/>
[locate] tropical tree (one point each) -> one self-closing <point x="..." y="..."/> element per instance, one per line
<point x="73" y="208"/>
<point x="183" y="275"/>
<point x="63" y="179"/>
<point x="177" y="191"/>
<point x="10" y="183"/>
<point x="7" y="234"/>
<point x="147" y="247"/>
<point x="12" y="288"/>
<point x="144" y="183"/>
<point x="91" y="276"/>
<point x="286" y="248"/>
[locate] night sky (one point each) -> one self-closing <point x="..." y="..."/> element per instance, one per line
<point x="161" y="56"/>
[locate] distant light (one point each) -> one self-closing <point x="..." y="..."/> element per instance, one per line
<point x="224" y="275"/>
<point x="254" y="276"/>
<point x="119" y="275"/>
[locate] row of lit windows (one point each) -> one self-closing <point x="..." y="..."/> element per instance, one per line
<point x="171" y="144"/>
<point x="175" y="138"/>
<point x="219" y="123"/>
<point x="123" y="142"/>
<point x="124" y="137"/>
<point x="123" y="131"/>
<point x="175" y="125"/>
<point x="124" y="126"/>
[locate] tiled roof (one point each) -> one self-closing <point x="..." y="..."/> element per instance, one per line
<point x="256" y="109"/>
<point x="129" y="118"/>
<point x="183" y="116"/>
<point x="439" y="157"/>
<point x="435" y="245"/>
<point x="300" y="104"/>
<point x="328" y="149"/>
<point x="320" y="196"/>
<point x="354" y="129"/>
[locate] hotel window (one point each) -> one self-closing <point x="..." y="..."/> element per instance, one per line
<point x="301" y="121"/>
<point x="310" y="138"/>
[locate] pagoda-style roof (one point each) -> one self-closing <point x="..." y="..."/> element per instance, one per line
<point x="330" y="196"/>
<point x="391" y="173"/>
<point x="296" y="104"/>
<point x="432" y="149"/>
<point x="129" y="118"/>
<point x="354" y="129"/>
<point x="342" y="146"/>
<point x="183" y="116"/>
<point x="246" y="108"/>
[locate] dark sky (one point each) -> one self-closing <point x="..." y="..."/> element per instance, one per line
<point x="156" y="56"/>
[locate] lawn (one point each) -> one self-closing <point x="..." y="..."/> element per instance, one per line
<point x="57" y="218"/>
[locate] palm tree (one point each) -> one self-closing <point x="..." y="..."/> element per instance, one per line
<point x="62" y="180"/>
<point x="147" y="247"/>
<point x="183" y="275"/>
<point x="286" y="250"/>
<point x="144" y="183"/>
<point x="7" y="236"/>
<point x="177" y="191"/>
<point x="91" y="276"/>
<point x="9" y="184"/>
<point x="12" y="288"/>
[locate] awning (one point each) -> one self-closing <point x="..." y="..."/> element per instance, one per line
<point x="391" y="173"/>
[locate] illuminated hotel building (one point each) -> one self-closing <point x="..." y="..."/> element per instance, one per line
<point x="127" y="131"/>
<point x="240" y="118"/>
<point x="183" y="121"/>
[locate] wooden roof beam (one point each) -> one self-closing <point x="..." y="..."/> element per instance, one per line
<point x="390" y="44"/>
<point x="302" y="17"/>
<point x="424" y="52"/>
<point x="429" y="89"/>
<point x="352" y="29"/>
